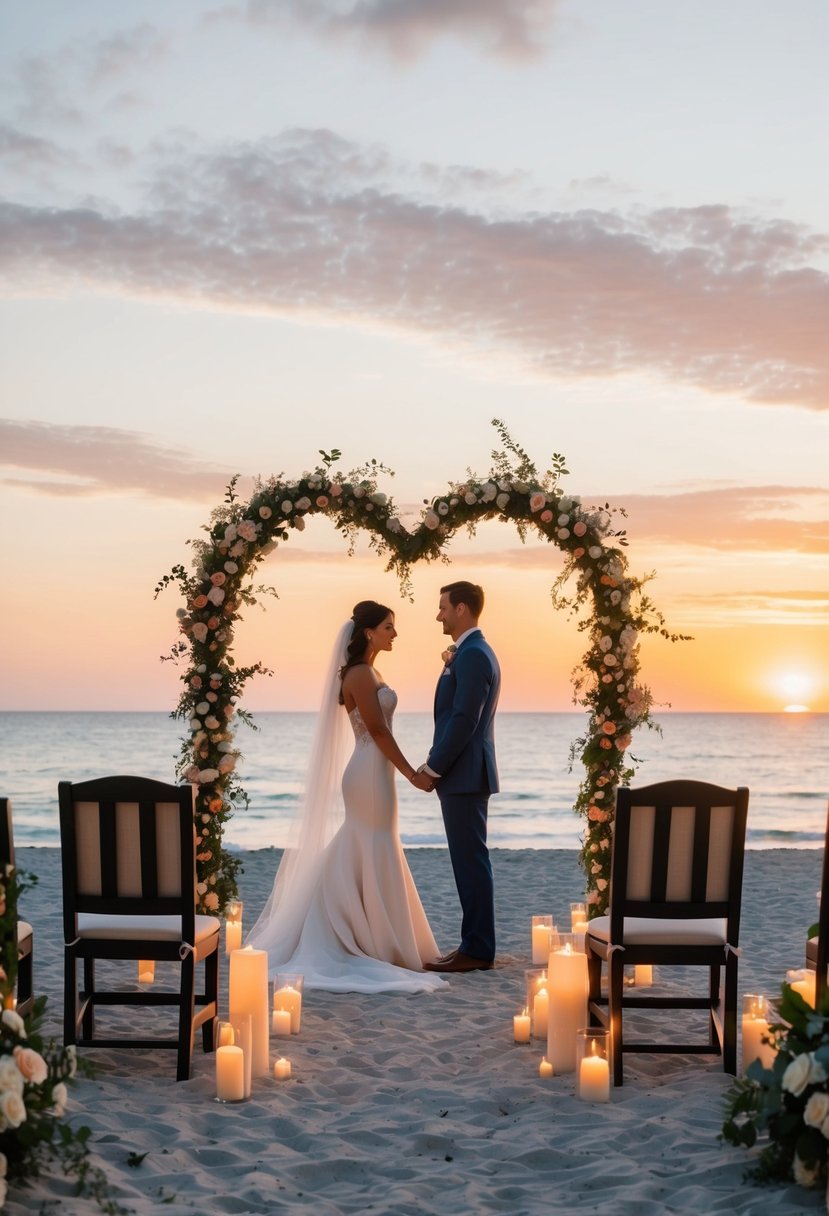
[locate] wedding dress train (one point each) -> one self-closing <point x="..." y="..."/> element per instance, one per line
<point x="364" y="928"/>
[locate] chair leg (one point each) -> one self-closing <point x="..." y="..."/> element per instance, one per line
<point x="187" y="1008"/>
<point x="714" y="1003"/>
<point x="88" y="1019"/>
<point x="25" y="985"/>
<point x="615" y="990"/>
<point x="211" y="997"/>
<point x="70" y="999"/>
<point x="729" y="1050"/>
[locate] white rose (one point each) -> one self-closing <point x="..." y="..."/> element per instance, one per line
<point x="265" y="512"/>
<point x="443" y="508"/>
<point x="605" y="643"/>
<point x="490" y="491"/>
<point x="431" y="520"/>
<point x="502" y="500"/>
<point x="203" y="707"/>
<point x="470" y="499"/>
<point x="595" y="551"/>
<point x="14" y="1021"/>
<point x="230" y="533"/>
<point x="207" y="775"/>
<point x="303" y="504"/>
<point x="796" y="1077"/>
<point x="817" y="1110"/>
<point x="563" y="533"/>
<point x="11" y="1077"/>
<point x="212" y="723"/>
<point x="200" y="631"/>
<point x="379" y="499"/>
<point x="216" y="596"/>
<point x="231" y="567"/>
<point x="12" y="1108"/>
<point x="60" y="1097"/>
<point x="394" y="525"/>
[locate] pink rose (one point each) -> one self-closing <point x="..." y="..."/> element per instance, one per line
<point x="200" y="601"/>
<point x="431" y="520"/>
<point x="609" y="728"/>
<point x="32" y="1067"/>
<point x="580" y="528"/>
<point x="322" y="501"/>
<point x="546" y="516"/>
<point x="265" y="512"/>
<point x="218" y="579"/>
<point x="195" y="681"/>
<point x="247" y="530"/>
<point x="335" y="489"/>
<point x="537" y="501"/>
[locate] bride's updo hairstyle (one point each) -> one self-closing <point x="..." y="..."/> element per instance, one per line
<point x="368" y="614"/>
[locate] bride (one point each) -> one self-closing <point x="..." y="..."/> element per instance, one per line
<point x="344" y="910"/>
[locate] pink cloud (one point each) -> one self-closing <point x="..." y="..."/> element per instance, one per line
<point x="77" y="461"/>
<point x="310" y="225"/>
<point x="511" y="29"/>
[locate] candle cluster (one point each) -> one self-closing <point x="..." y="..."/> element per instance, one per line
<point x="242" y="1048"/>
<point x="556" y="1008"/>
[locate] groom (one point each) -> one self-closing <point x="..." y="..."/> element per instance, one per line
<point x="462" y="766"/>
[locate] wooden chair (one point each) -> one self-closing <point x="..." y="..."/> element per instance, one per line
<point x="23" y="930"/>
<point x="129" y="892"/>
<point x="675" y="892"/>
<point x="817" y="948"/>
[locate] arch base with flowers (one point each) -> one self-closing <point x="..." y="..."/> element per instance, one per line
<point x="614" y="609"/>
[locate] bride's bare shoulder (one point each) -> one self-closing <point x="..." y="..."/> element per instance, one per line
<point x="359" y="682"/>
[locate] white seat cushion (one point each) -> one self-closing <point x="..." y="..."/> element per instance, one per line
<point x="24" y="930"/>
<point x="150" y="928"/>
<point x="644" y="931"/>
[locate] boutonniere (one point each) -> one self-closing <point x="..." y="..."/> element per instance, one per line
<point x="449" y="654"/>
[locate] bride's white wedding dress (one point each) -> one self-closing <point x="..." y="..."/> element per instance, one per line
<point x="364" y="928"/>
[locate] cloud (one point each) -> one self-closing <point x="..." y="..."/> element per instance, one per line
<point x="313" y="225"/>
<point x="22" y="151"/>
<point x="79" y="461"/>
<point x="783" y="518"/>
<point x="509" y="29"/>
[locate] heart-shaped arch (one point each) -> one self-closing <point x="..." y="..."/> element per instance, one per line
<point x="241" y="534"/>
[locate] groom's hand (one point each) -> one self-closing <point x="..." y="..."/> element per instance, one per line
<point x="423" y="781"/>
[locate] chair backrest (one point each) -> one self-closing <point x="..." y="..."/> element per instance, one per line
<point x="128" y="848"/>
<point x="678" y="850"/>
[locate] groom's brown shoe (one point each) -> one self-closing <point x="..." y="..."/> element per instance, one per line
<point x="459" y="962"/>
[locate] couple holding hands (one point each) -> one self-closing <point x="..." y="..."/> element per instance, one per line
<point x="344" y="910"/>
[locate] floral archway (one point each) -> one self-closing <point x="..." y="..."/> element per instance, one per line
<point x="241" y="535"/>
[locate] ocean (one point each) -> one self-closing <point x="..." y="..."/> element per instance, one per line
<point x="782" y="758"/>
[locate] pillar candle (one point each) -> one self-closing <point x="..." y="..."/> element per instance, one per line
<point x="755" y="1028"/>
<point x="224" y="1034"/>
<point x="643" y="975"/>
<point x="804" y="983"/>
<point x="594" y="1078"/>
<point x="282" y="1069"/>
<point x="242" y="1026"/>
<point x="545" y="1068"/>
<point x="291" y="999"/>
<point x="146" y="970"/>
<point x="521" y="1027"/>
<point x="233" y="936"/>
<point x="541" y="1009"/>
<point x="281" y="1022"/>
<point x="541" y="942"/>
<point x="249" y="995"/>
<point x="567" y="987"/>
<point x="578" y="918"/>
<point x="230" y="1074"/>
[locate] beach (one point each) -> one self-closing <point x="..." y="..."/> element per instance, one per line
<point x="423" y="1103"/>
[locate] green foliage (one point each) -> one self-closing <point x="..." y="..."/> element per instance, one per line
<point x="34" y="1075"/>
<point x="784" y="1110"/>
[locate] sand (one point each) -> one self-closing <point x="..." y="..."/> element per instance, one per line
<point x="423" y="1103"/>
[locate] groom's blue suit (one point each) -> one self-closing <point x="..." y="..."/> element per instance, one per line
<point x="463" y="753"/>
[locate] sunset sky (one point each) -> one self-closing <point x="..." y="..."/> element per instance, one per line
<point x="232" y="234"/>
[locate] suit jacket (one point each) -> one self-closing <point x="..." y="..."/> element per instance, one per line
<point x="466" y="697"/>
